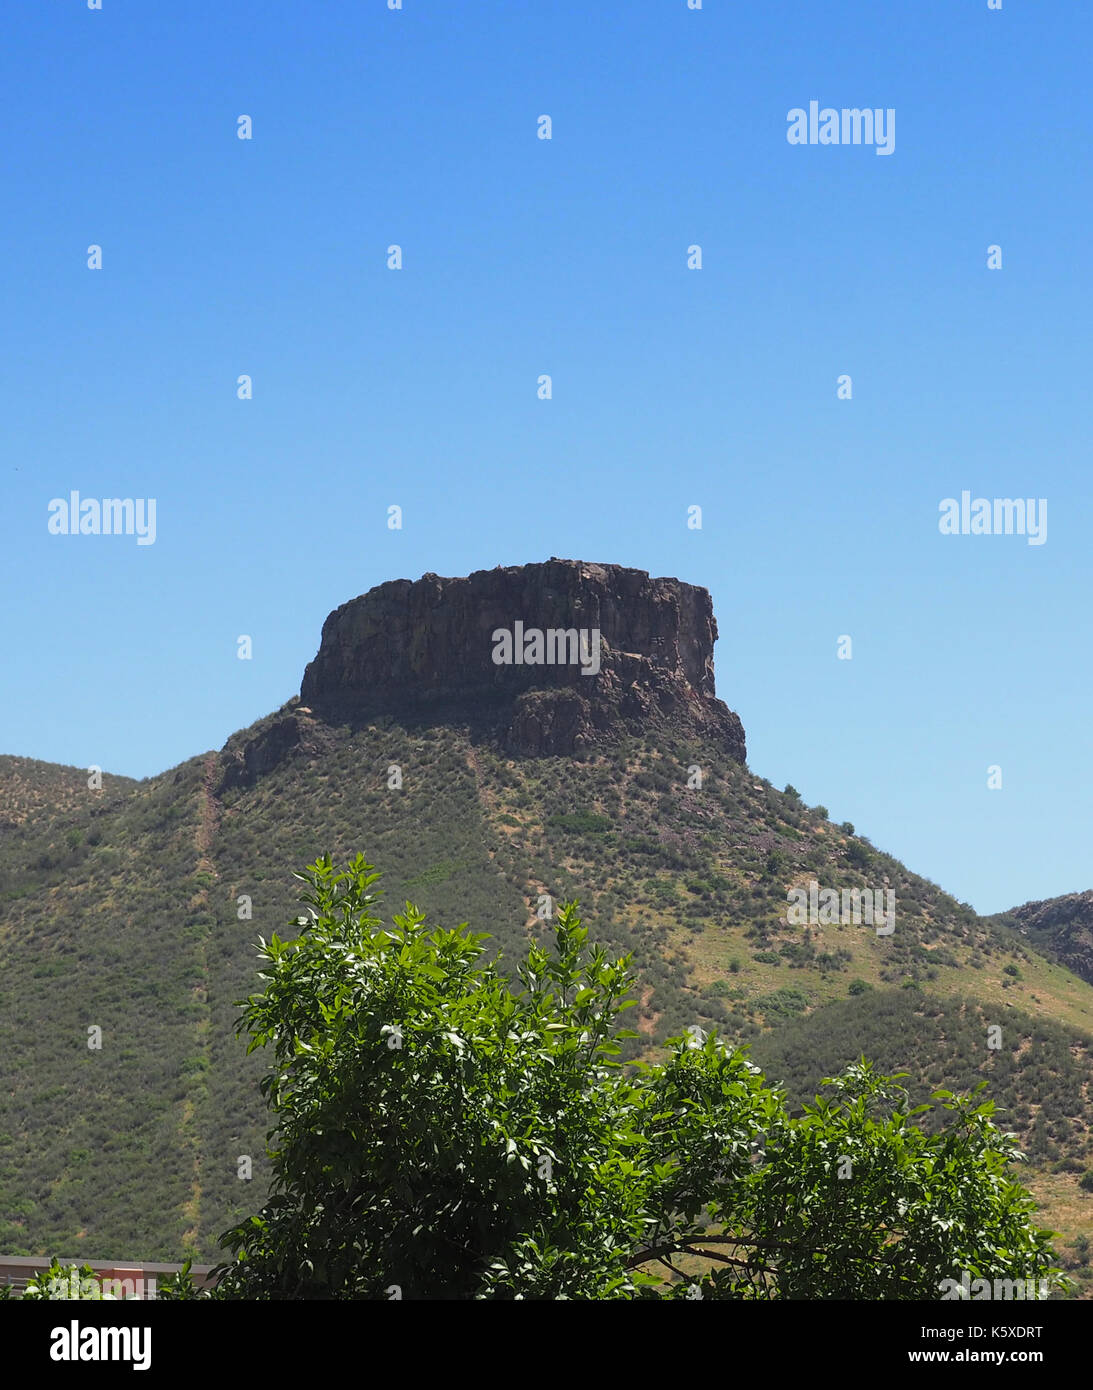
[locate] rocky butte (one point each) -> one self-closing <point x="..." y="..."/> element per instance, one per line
<point x="426" y="651"/>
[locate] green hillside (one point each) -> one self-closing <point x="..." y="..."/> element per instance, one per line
<point x="125" y="909"/>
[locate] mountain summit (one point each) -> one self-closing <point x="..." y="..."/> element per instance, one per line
<point x="553" y="658"/>
<point x="599" y="766"/>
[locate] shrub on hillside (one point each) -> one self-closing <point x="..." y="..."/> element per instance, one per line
<point x="440" y="1134"/>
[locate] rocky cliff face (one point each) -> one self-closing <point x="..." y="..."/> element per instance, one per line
<point x="550" y="658"/>
<point x="1060" y="927"/>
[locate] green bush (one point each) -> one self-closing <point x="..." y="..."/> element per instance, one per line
<point x="438" y="1135"/>
<point x="583" y="822"/>
<point x="784" y="1003"/>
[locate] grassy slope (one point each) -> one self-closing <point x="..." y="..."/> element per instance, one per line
<point x="120" y="909"/>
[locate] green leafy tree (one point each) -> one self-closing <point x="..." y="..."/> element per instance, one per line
<point x="181" y="1287"/>
<point x="442" y="1132"/>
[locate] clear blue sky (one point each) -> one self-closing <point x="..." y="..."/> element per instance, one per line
<point x="671" y="387"/>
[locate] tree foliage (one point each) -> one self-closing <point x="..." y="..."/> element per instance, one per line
<point x="444" y="1133"/>
<point x="67" y="1283"/>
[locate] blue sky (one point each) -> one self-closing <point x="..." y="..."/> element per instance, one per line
<point x="671" y="387"/>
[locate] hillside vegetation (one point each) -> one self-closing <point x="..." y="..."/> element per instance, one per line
<point x="136" y="909"/>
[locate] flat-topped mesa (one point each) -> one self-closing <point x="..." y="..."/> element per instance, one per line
<point x="553" y="657"/>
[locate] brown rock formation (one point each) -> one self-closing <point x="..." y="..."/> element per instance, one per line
<point x="1060" y="927"/>
<point x="426" y="650"/>
<point x="290" y="732"/>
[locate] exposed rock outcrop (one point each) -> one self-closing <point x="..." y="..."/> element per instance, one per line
<point x="291" y="731"/>
<point x="1060" y="927"/>
<point x="593" y="650"/>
